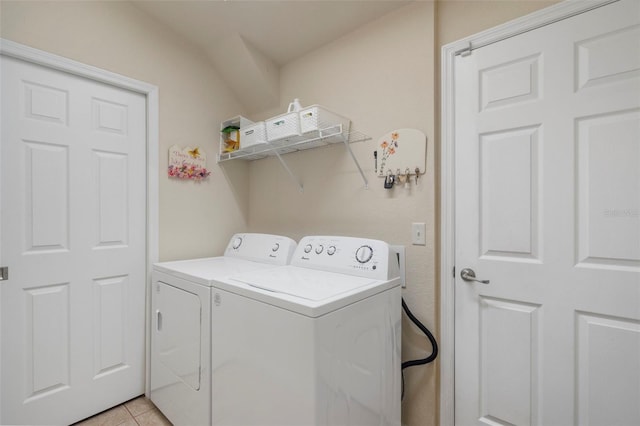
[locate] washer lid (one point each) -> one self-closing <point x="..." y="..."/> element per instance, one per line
<point x="304" y="283"/>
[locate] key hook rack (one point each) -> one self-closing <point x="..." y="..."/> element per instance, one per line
<point x="401" y="155"/>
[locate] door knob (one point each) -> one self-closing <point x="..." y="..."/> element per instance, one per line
<point x="467" y="274"/>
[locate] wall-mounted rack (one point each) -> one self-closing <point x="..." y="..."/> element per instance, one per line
<point x="329" y="136"/>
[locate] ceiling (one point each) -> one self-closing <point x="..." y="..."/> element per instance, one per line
<point x="282" y="30"/>
<point x="269" y="33"/>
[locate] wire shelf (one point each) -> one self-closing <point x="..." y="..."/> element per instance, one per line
<point x="324" y="137"/>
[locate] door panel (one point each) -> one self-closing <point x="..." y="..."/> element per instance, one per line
<point x="509" y="199"/>
<point x="47" y="332"/>
<point x="509" y="379"/>
<point x="47" y="185"/>
<point x="73" y="220"/>
<point x="547" y="201"/>
<point x="597" y="401"/>
<point x="607" y="152"/>
<point x="110" y="295"/>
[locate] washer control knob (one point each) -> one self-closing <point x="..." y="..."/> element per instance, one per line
<point x="307" y="248"/>
<point x="319" y="249"/>
<point x="331" y="250"/>
<point x="364" y="254"/>
<point x="237" y="242"/>
<point x="275" y="247"/>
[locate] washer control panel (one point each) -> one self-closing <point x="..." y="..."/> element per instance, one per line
<point x="265" y="248"/>
<point x="347" y="255"/>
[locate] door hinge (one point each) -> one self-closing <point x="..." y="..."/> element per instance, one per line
<point x="4" y="273"/>
<point x="453" y="272"/>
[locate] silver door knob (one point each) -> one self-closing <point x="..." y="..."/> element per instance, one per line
<point x="467" y="274"/>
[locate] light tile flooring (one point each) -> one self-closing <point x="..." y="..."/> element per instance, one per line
<point x="137" y="412"/>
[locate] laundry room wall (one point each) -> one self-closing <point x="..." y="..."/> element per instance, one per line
<point x="381" y="76"/>
<point x="196" y="218"/>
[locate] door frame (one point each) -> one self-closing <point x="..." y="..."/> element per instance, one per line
<point x="543" y="17"/>
<point x="19" y="51"/>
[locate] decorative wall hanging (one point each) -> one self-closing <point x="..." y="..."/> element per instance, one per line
<point x="401" y="154"/>
<point x="187" y="163"/>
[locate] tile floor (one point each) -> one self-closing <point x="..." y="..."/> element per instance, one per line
<point x="137" y="412"/>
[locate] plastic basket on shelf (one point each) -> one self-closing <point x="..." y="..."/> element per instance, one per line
<point x="253" y="134"/>
<point x="316" y="120"/>
<point x="283" y="129"/>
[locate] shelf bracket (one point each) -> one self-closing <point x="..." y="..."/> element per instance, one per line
<point x="346" y="145"/>
<point x="291" y="175"/>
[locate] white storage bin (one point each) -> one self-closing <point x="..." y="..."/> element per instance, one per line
<point x="316" y="118"/>
<point x="253" y="135"/>
<point x="230" y="140"/>
<point x="283" y="128"/>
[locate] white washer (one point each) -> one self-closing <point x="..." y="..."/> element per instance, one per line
<point x="316" y="342"/>
<point x="181" y="324"/>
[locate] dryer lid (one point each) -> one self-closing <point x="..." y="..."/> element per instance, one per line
<point x="205" y="271"/>
<point x="308" y="284"/>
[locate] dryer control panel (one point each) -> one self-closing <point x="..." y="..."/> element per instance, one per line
<point x="347" y="255"/>
<point x="265" y="248"/>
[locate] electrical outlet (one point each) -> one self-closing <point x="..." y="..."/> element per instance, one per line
<point x="418" y="237"/>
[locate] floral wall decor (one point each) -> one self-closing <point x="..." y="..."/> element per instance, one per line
<point x="389" y="145"/>
<point x="187" y="163"/>
<point x="401" y="151"/>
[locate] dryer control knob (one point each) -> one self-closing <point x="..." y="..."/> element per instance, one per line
<point x="331" y="250"/>
<point x="275" y="247"/>
<point x="319" y="249"/>
<point x="237" y="242"/>
<point x="307" y="248"/>
<point x="364" y="254"/>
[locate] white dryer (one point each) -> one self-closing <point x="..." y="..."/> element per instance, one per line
<point x="316" y="342"/>
<point x="181" y="325"/>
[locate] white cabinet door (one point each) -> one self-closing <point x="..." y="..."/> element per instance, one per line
<point x="73" y="206"/>
<point x="181" y="350"/>
<point x="548" y="210"/>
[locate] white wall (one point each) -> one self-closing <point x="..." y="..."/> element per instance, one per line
<point x="196" y="219"/>
<point x="382" y="77"/>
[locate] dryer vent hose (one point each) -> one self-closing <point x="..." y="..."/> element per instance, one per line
<point x="432" y="340"/>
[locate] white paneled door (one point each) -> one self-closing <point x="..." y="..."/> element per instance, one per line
<point x="548" y="211"/>
<point x="73" y="236"/>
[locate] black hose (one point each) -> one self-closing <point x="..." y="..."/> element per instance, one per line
<point x="432" y="340"/>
